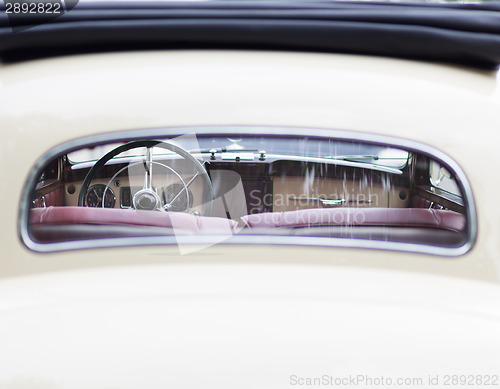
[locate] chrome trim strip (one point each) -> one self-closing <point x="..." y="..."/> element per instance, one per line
<point x="328" y="201"/>
<point x="444" y="159"/>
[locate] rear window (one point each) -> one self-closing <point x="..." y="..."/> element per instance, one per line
<point x="265" y="186"/>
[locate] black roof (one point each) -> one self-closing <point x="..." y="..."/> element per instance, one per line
<point x="467" y="34"/>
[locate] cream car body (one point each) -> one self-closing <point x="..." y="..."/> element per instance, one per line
<point x="256" y="315"/>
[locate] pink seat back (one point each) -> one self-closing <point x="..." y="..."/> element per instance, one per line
<point x="318" y="217"/>
<point x="127" y="217"/>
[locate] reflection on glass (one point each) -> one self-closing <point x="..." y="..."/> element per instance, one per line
<point x="226" y="185"/>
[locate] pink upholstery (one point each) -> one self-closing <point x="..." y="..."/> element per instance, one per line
<point x="127" y="217"/>
<point x="318" y="217"/>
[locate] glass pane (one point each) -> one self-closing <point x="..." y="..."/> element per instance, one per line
<point x="233" y="186"/>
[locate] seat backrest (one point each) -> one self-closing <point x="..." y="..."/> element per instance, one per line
<point x="318" y="217"/>
<point x="115" y="216"/>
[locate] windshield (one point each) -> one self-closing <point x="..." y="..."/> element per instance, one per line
<point x="271" y="146"/>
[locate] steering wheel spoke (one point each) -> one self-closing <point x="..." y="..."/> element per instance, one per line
<point x="148" y="170"/>
<point x="147" y="198"/>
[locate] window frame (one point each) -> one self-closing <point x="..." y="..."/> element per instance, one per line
<point x="343" y="135"/>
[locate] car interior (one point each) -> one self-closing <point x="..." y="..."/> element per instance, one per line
<point x="253" y="185"/>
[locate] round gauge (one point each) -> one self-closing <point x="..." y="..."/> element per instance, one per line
<point x="180" y="204"/>
<point x="94" y="195"/>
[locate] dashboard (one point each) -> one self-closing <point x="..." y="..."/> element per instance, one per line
<point x="269" y="185"/>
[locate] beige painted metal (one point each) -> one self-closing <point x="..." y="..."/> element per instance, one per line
<point x="244" y="326"/>
<point x="46" y="102"/>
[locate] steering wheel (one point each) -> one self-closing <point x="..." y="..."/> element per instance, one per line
<point x="147" y="198"/>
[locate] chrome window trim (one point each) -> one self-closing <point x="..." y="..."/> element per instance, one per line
<point x="410" y="145"/>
